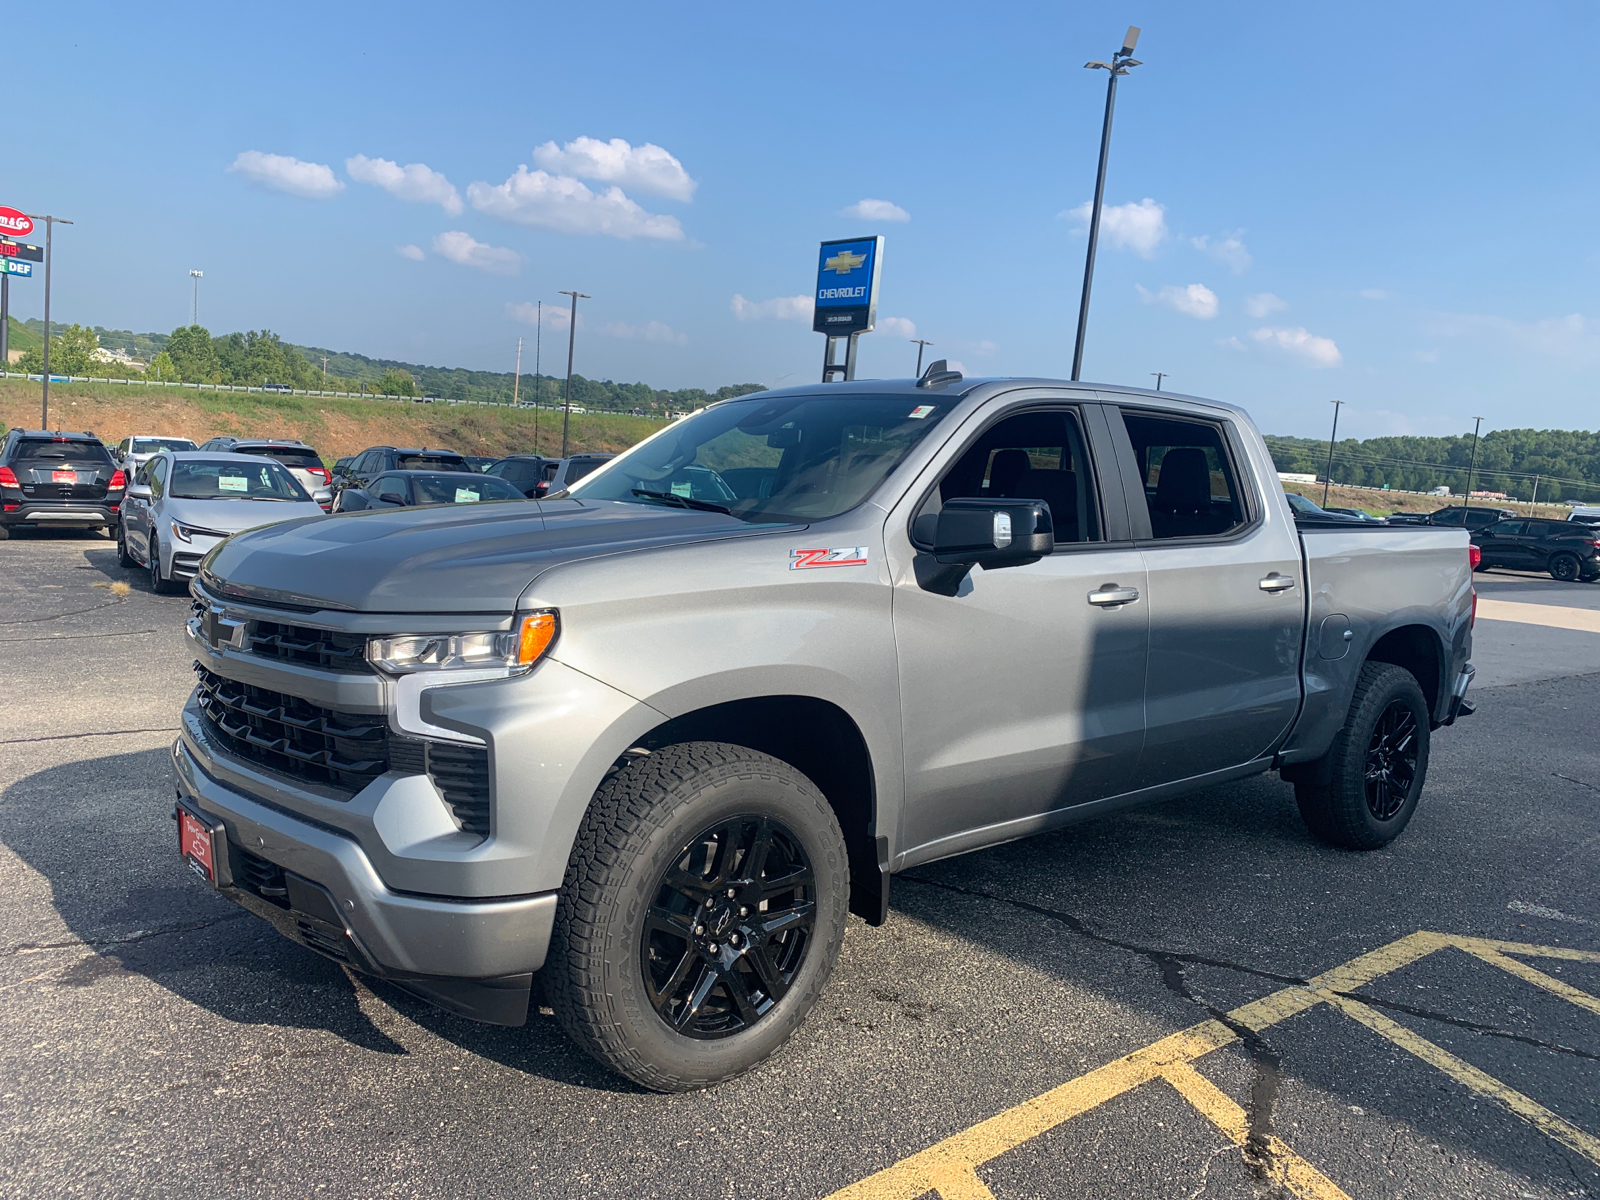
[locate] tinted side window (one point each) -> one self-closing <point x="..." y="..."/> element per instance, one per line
<point x="393" y="486"/>
<point x="158" y="478"/>
<point x="1509" y="529"/>
<point x="1190" y="485"/>
<point x="1030" y="456"/>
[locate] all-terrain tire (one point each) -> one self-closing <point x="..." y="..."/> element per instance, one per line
<point x="639" y="824"/>
<point x="1362" y="804"/>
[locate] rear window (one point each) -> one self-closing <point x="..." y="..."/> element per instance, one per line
<point x="72" y="449"/>
<point x="156" y="445"/>
<point x="430" y="462"/>
<point x="453" y="489"/>
<point x="289" y="456"/>
<point x="578" y="470"/>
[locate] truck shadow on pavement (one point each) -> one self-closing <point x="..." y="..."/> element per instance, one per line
<point x="99" y="831"/>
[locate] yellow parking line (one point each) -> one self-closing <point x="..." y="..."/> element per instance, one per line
<point x="949" y="1168"/>
<point x="1553" y="616"/>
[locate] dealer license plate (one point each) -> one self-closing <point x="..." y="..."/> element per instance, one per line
<point x="63" y="477"/>
<point x="197" y="844"/>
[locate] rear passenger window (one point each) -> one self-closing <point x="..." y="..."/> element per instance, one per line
<point x="1030" y="456"/>
<point x="1190" y="486"/>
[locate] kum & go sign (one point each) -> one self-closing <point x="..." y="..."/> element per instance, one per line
<point x="15" y="223"/>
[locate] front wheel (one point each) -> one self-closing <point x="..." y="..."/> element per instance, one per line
<point x="1376" y="767"/>
<point x="158" y="582"/>
<point x="124" y="559"/>
<point x="702" y="912"/>
<point x="1564" y="567"/>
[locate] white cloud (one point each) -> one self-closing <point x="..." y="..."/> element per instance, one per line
<point x="1230" y="343"/>
<point x="1227" y="250"/>
<point x="876" y="210"/>
<point x="561" y="203"/>
<point x="463" y="248"/>
<point x="1574" y="337"/>
<point x="1264" y="304"/>
<point x="315" y="181"/>
<point x="646" y="168"/>
<point x="954" y="364"/>
<point x="898" y="326"/>
<point x="1196" y="300"/>
<point x="1301" y="343"/>
<point x="1138" y="227"/>
<point x="557" y="316"/>
<point x="650" y="331"/>
<point x="415" y="182"/>
<point x="779" y="308"/>
<point x="1374" y="294"/>
<point x="414" y="253"/>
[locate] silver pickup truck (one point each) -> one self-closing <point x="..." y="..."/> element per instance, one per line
<point x="653" y="737"/>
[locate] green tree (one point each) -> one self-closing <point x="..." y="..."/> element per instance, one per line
<point x="191" y="352"/>
<point x="162" y="369"/>
<point x="397" y="383"/>
<point x="71" y="353"/>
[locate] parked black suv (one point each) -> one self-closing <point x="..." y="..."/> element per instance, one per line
<point x="375" y="460"/>
<point x="1567" y="550"/>
<point x="58" y="480"/>
<point x="528" y="473"/>
<point x="1456" y="516"/>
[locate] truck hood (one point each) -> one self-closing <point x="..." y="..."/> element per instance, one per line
<point x="475" y="558"/>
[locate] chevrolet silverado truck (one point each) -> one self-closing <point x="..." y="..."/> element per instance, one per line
<point x="652" y="738"/>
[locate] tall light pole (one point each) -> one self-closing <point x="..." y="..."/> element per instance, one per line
<point x="921" y="345"/>
<point x="538" y="340"/>
<point x="1120" y="63"/>
<point x="516" y="380"/>
<point x="324" y="369"/>
<point x="49" y="261"/>
<point x="572" y="334"/>
<point x="1472" y="466"/>
<point x="1327" y="476"/>
<point x="1160" y="375"/>
<point x="194" y="309"/>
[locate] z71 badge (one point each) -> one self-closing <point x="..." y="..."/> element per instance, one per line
<point x="842" y="556"/>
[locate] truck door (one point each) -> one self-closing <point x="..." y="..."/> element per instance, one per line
<point x="1022" y="689"/>
<point x="1224" y="598"/>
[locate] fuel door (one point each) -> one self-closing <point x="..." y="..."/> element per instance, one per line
<point x="1335" y="637"/>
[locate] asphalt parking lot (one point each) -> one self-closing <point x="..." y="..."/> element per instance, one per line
<point x="1193" y="1000"/>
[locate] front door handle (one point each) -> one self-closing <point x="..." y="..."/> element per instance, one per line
<point x="1111" y="595"/>
<point x="1276" y="583"/>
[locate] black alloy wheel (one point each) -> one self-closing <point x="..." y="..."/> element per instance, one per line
<point x="729" y="928"/>
<point x="158" y="585"/>
<point x="1564" y="568"/>
<point x="1391" y="761"/>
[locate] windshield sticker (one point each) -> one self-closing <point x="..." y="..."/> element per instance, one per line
<point x="466" y="496"/>
<point x="233" y="483"/>
<point x="842" y="556"/>
<point x="920" y="411"/>
<point x="686" y="490"/>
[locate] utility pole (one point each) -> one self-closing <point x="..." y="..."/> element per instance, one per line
<point x="538" y="340"/>
<point x="1327" y="478"/>
<point x="1120" y="63"/>
<point x="1160" y="375"/>
<point x="572" y="334"/>
<point x="324" y="371"/>
<point x="194" y="310"/>
<point x="921" y="345"/>
<point x="516" y="381"/>
<point x="1472" y="466"/>
<point x="1535" y="499"/>
<point x="50" y="224"/>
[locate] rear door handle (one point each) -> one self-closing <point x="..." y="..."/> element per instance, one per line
<point x="1276" y="583"/>
<point x="1111" y="595"/>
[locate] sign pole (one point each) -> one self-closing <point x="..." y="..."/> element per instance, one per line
<point x="49" y="261"/>
<point x="5" y="321"/>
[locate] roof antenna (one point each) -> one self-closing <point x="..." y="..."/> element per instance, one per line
<point x="938" y="374"/>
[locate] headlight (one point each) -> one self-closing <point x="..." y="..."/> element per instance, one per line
<point x="514" y="651"/>
<point x="187" y="533"/>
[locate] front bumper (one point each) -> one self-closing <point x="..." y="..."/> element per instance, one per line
<point x="471" y="957"/>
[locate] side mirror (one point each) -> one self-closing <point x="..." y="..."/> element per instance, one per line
<point x="394" y="500"/>
<point x="993" y="533"/>
<point x="139" y="491"/>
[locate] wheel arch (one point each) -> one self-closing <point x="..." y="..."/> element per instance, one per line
<point x="1420" y="650"/>
<point x="821" y="741"/>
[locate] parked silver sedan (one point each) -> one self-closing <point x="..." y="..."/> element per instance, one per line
<point x="180" y="505"/>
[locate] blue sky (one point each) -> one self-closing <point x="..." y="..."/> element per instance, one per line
<point x="1389" y="205"/>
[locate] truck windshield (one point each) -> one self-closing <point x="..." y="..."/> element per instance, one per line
<point x="770" y="458"/>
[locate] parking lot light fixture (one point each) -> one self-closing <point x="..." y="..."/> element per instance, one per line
<point x="1472" y="464"/>
<point x="1327" y="476"/>
<point x="572" y="333"/>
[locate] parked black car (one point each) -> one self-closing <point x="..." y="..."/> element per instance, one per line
<point x="377" y="460"/>
<point x="401" y="489"/>
<point x="58" y="480"/>
<point x="1567" y="550"/>
<point x="480" y="462"/>
<point x="528" y="473"/>
<point x="1456" y="516"/>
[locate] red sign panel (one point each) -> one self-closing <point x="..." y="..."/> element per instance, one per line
<point x="17" y="224"/>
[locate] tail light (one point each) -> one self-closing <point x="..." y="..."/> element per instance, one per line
<point x="118" y="482"/>
<point x="8" y="478"/>
<point x="1475" y="555"/>
<point x="326" y="475"/>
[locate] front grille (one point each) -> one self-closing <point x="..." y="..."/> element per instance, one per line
<point x="264" y="878"/>
<point x="185" y="564"/>
<point x="323" y="939"/>
<point x="461" y="773"/>
<point x="294" y="736"/>
<point x="325" y="648"/>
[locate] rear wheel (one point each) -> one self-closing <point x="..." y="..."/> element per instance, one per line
<point x="1564" y="567"/>
<point x="1376" y="767"/>
<point x="701" y="915"/>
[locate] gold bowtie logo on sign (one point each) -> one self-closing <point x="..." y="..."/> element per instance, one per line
<point x="843" y="262"/>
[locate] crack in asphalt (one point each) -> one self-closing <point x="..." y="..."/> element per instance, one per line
<point x="62" y="737"/>
<point x="71" y="612"/>
<point x="1171" y="963"/>
<point x="137" y="936"/>
<point x="1579" y="782"/>
<point x="67" y="637"/>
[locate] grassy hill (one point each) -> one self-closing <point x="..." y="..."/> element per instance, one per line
<point x="334" y="426"/>
<point x="24" y="338"/>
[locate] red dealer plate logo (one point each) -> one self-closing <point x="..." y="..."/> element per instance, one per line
<point x="17" y="224"/>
